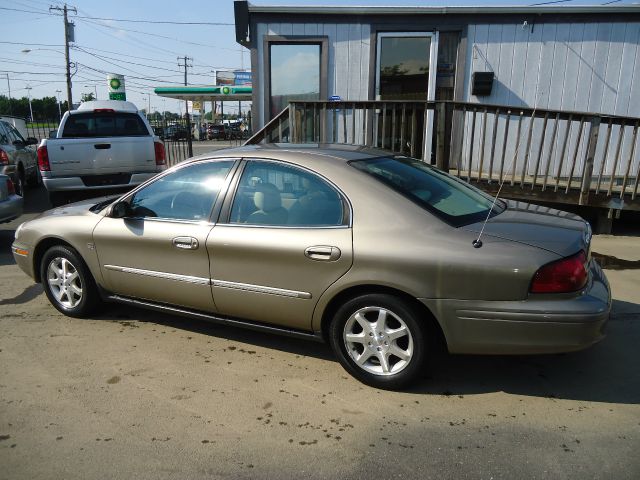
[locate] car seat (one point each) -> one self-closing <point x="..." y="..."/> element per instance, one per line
<point x="269" y="206"/>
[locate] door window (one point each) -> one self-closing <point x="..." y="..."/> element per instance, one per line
<point x="294" y="74"/>
<point x="403" y="66"/>
<point x="279" y="195"/>
<point x="186" y="194"/>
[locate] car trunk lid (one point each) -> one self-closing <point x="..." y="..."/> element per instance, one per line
<point x="558" y="232"/>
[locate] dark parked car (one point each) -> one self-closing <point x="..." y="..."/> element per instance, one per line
<point x="217" y="132"/>
<point x="176" y="132"/>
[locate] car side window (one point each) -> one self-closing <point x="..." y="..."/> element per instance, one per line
<point x="186" y="194"/>
<point x="14" y="135"/>
<point x="278" y="195"/>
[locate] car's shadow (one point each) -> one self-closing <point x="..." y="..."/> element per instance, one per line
<point x="608" y="372"/>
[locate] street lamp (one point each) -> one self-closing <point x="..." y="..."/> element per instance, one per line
<point x="68" y="66"/>
<point x="28" y="89"/>
<point x="58" y="98"/>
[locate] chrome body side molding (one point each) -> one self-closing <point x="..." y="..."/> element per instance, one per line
<point x="261" y="289"/>
<point x="216" y="283"/>
<point x="153" y="273"/>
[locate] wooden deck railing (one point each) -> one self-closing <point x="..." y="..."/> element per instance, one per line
<point x="532" y="153"/>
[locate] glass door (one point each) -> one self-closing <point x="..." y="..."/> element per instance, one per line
<point x="406" y="70"/>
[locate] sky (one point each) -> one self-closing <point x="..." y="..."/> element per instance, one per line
<point x="145" y="53"/>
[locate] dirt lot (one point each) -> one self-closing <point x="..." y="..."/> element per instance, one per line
<point x="133" y="394"/>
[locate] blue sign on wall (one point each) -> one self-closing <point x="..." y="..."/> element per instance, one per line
<point x="242" y="78"/>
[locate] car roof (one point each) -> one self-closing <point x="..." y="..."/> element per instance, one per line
<point x="116" y="105"/>
<point x="286" y="151"/>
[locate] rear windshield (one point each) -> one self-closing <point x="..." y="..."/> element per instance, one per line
<point x="449" y="198"/>
<point x="104" y="124"/>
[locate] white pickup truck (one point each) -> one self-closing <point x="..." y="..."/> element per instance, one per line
<point x="103" y="145"/>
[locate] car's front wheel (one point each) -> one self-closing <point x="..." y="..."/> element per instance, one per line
<point x="380" y="339"/>
<point x="67" y="282"/>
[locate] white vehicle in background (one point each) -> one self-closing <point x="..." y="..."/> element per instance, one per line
<point x="104" y="144"/>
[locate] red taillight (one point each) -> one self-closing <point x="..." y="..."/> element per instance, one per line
<point x="4" y="158"/>
<point x="159" y="149"/>
<point x="43" y="159"/>
<point x="11" y="189"/>
<point x="104" y="110"/>
<point x="566" y="275"/>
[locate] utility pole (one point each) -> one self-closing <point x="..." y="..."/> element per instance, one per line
<point x="9" y="87"/>
<point x="28" y="89"/>
<point x="186" y="65"/>
<point x="67" y="34"/>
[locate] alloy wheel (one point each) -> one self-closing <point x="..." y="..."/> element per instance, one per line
<point x="64" y="282"/>
<point x="378" y="341"/>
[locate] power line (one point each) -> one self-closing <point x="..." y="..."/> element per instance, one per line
<point x="128" y="20"/>
<point x="161" y="36"/>
<point x="33" y="44"/>
<point x="164" y="22"/>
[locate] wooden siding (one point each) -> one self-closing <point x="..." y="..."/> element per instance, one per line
<point x="348" y="64"/>
<point x="590" y="67"/>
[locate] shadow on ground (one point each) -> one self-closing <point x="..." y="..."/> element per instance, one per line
<point x="608" y="372"/>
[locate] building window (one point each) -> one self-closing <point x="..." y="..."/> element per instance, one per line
<point x="296" y="71"/>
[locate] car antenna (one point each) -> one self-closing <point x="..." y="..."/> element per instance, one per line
<point x="477" y="243"/>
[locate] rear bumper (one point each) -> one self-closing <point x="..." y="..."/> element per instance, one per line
<point x="60" y="184"/>
<point x="539" y="324"/>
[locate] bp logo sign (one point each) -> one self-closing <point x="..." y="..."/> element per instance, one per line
<point x="226" y="90"/>
<point x="116" y="87"/>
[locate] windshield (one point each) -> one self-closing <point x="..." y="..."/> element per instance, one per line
<point x="449" y="198"/>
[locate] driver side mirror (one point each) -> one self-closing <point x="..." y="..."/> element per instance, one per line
<point x="32" y="141"/>
<point x="121" y="210"/>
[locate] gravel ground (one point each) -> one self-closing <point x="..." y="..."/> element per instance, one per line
<point x="136" y="394"/>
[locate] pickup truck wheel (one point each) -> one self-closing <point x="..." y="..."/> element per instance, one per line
<point x="34" y="180"/>
<point x="67" y="282"/>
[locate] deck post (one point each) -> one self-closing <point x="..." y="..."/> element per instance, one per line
<point x="441" y="162"/>
<point x="292" y="123"/>
<point x="587" y="171"/>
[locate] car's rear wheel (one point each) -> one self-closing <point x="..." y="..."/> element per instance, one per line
<point x="67" y="282"/>
<point x="380" y="340"/>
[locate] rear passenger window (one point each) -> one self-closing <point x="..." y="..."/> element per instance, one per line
<point x="104" y="124"/>
<point x="278" y="195"/>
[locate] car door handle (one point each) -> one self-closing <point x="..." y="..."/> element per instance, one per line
<point x="185" y="243"/>
<point x="102" y="146"/>
<point x="323" y="252"/>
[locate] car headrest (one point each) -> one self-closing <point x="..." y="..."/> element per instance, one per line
<point x="267" y="197"/>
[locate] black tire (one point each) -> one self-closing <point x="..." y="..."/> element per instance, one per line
<point x="63" y="272"/>
<point x="20" y="183"/>
<point x="34" y="180"/>
<point x="400" y="317"/>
